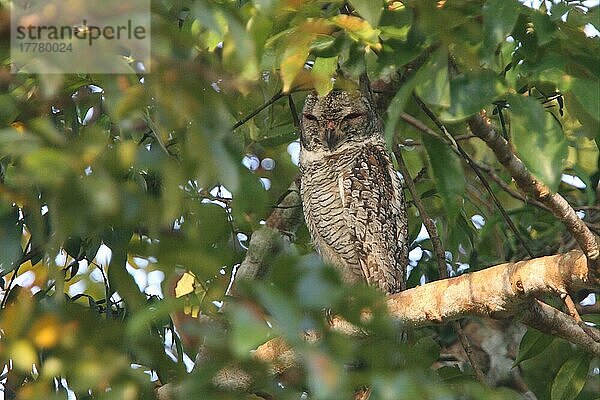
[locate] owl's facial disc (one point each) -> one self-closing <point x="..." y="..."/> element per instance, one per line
<point x="332" y="120"/>
<point x="335" y="133"/>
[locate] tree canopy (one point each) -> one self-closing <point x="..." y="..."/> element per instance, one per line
<point x="129" y="201"/>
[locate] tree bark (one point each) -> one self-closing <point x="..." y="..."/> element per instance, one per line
<point x="268" y="241"/>
<point x="502" y="291"/>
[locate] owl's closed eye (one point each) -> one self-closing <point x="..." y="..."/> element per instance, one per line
<point x="329" y="122"/>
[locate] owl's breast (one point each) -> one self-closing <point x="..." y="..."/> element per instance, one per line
<point x="322" y="190"/>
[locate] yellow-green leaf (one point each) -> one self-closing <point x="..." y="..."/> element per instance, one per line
<point x="23" y="355"/>
<point x="293" y="61"/>
<point x="358" y="29"/>
<point x="324" y="70"/>
<point x="369" y="10"/>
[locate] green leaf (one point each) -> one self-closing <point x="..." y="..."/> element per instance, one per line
<point x="532" y="344"/>
<point x="318" y="288"/>
<point x="571" y="377"/>
<point x="396" y="108"/>
<point x="249" y="203"/>
<point x="10" y="238"/>
<point x="587" y="91"/>
<point x="91" y="245"/>
<point x="119" y="279"/>
<point x="72" y="246"/>
<point x="453" y="375"/>
<point x="276" y="136"/>
<point x="448" y="175"/>
<point x="13" y="142"/>
<point x="369" y="10"/>
<point x="323" y="71"/>
<point x="434" y="85"/>
<point x="539" y="139"/>
<point x="282" y="307"/>
<point x="424" y="352"/>
<point x="499" y="19"/>
<point x="9" y="109"/>
<point x="38" y="163"/>
<point x="248" y="329"/>
<point x="327" y="45"/>
<point x="545" y="30"/>
<point x="590" y="126"/>
<point x="471" y="92"/>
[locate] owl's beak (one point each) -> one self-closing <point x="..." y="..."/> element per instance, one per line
<point x="330" y="135"/>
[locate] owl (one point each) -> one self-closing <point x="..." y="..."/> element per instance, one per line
<point x="351" y="195"/>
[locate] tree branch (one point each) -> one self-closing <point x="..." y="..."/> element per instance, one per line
<point x="254" y="113"/>
<point x="502" y="291"/>
<point x="554" y="322"/>
<point x="463" y="154"/>
<point x="498" y="292"/>
<point x="267" y="241"/>
<point x="481" y="126"/>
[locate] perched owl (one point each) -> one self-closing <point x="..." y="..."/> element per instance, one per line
<point x="352" y="197"/>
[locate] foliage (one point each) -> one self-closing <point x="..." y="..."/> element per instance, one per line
<point x="148" y="166"/>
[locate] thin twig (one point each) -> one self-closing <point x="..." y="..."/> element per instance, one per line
<point x="8" y="289"/>
<point x="450" y="139"/>
<point x="438" y="250"/>
<point x="154" y="131"/>
<point x="584" y="208"/>
<point x="571" y="308"/>
<point x="107" y="291"/>
<point x="588" y="309"/>
<point x="517" y="195"/>
<point x="566" y="298"/>
<point x="412" y="143"/>
<point x="293" y="111"/>
<point x="21" y="261"/>
<point x="464" y="341"/>
<point x="506" y="187"/>
<point x="254" y="113"/>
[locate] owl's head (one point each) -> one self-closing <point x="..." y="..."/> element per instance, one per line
<point x="339" y="117"/>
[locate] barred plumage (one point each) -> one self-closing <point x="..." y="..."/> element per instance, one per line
<point x="352" y="197"/>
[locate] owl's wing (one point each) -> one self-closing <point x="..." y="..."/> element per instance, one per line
<point x="374" y="209"/>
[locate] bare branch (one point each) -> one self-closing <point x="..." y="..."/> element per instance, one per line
<point x="254" y="113"/>
<point x="502" y="291"/>
<point x="554" y="322"/>
<point x="588" y="309"/>
<point x="498" y="292"/>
